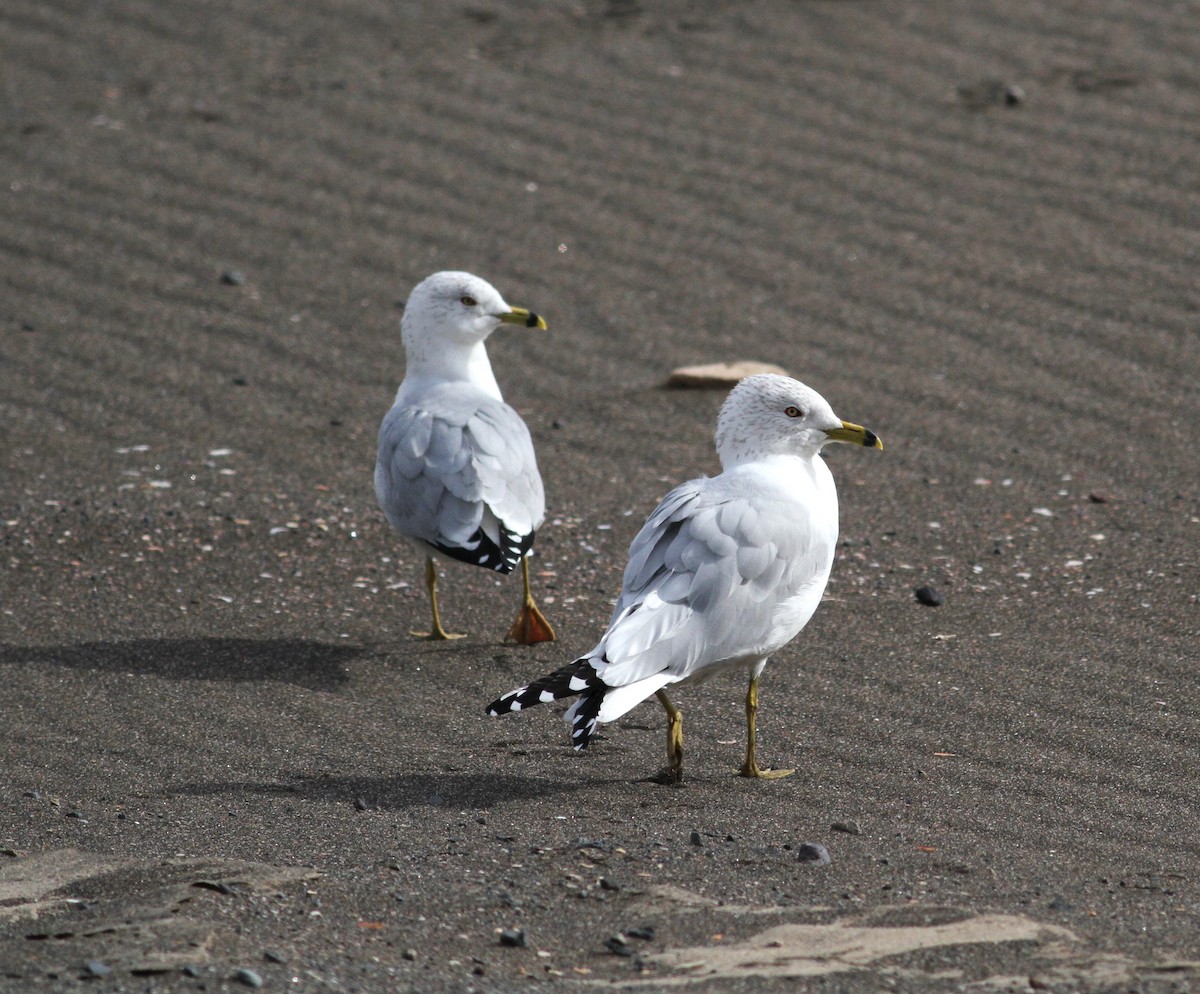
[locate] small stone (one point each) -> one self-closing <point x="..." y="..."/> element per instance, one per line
<point x="606" y="884"/>
<point x="231" y="277"/>
<point x="514" y="937"/>
<point x="191" y="971"/>
<point x="98" y="968"/>
<point x="410" y="955"/>
<point x="813" y="852"/>
<point x="619" y="945"/>
<point x="643" y="932"/>
<point x="989" y="92"/>
<point x="1099" y="498"/>
<point x="273" y="957"/>
<point x="360" y="804"/>
<point x="929" y="596"/>
<point x="248" y="977"/>
<point x="849" y="827"/>
<point x="696" y="839"/>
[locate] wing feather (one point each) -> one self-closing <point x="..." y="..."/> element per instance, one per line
<point x="706" y="579"/>
<point x="454" y="462"/>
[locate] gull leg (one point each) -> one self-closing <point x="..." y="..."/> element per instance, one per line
<point x="531" y="625"/>
<point x="751" y="768"/>
<point x="437" y="632"/>
<point x="673" y="772"/>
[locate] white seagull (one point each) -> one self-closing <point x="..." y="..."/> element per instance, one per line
<point x="455" y="472"/>
<point x="725" y="572"/>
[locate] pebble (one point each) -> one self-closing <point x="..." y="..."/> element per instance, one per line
<point x="643" y="932"/>
<point x="231" y="277"/>
<point x="813" y="852"/>
<point x="273" y="957"/>
<point x="410" y="955"/>
<point x="849" y="827"/>
<point x="987" y="92"/>
<point x="98" y="968"/>
<point x="619" y="945"/>
<point x="930" y="596"/>
<point x="191" y="971"/>
<point x="360" y="804"/>
<point x="248" y="977"/>
<point x="513" y="937"/>
<point x="696" y="839"/>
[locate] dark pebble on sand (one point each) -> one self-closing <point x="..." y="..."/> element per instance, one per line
<point x="643" y="932"/>
<point x="410" y="955"/>
<point x="191" y="971"/>
<point x="849" y="827"/>
<point x="930" y="596"/>
<point x="513" y="937"/>
<point x="98" y="968"/>
<point x="273" y="957"/>
<point x="360" y="804"/>
<point x="696" y="840"/>
<point x="988" y="92"/>
<point x="619" y="945"/>
<point x="248" y="977"/>
<point x="813" y="852"/>
<point x="231" y="277"/>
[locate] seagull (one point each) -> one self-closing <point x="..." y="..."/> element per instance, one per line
<point x="455" y="472"/>
<point x="725" y="572"/>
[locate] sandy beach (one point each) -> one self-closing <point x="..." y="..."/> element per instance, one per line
<point x="974" y="228"/>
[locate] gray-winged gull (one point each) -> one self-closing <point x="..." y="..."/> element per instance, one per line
<point x="725" y="572"/>
<point x="456" y="472"/>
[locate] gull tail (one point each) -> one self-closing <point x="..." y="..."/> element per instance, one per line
<point x="579" y="677"/>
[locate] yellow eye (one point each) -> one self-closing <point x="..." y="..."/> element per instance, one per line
<point x="468" y="301"/>
<point x="793" y="412"/>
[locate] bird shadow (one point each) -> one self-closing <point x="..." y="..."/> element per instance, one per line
<point x="401" y="791"/>
<point x="305" y="663"/>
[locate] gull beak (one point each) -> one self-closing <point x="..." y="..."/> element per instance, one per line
<point x="519" y="315"/>
<point x="855" y="434"/>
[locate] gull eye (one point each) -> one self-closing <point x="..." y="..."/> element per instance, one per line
<point x="468" y="301"/>
<point x="793" y="412"/>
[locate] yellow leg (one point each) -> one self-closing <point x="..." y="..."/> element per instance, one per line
<point x="751" y="768"/>
<point x="673" y="772"/>
<point x="531" y="625"/>
<point x="437" y="632"/>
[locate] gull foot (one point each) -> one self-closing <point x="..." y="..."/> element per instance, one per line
<point x="438" y="635"/>
<point x="530" y="628"/>
<point x="757" y="773"/>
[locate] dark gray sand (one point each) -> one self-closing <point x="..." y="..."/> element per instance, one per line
<point x="974" y="227"/>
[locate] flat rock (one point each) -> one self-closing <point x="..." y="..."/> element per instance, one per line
<point x="720" y="374"/>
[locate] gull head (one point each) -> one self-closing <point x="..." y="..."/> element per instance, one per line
<point x="768" y="415"/>
<point x="457" y="308"/>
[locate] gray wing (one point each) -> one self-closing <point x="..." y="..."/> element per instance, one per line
<point x="710" y="579"/>
<point x="456" y="469"/>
